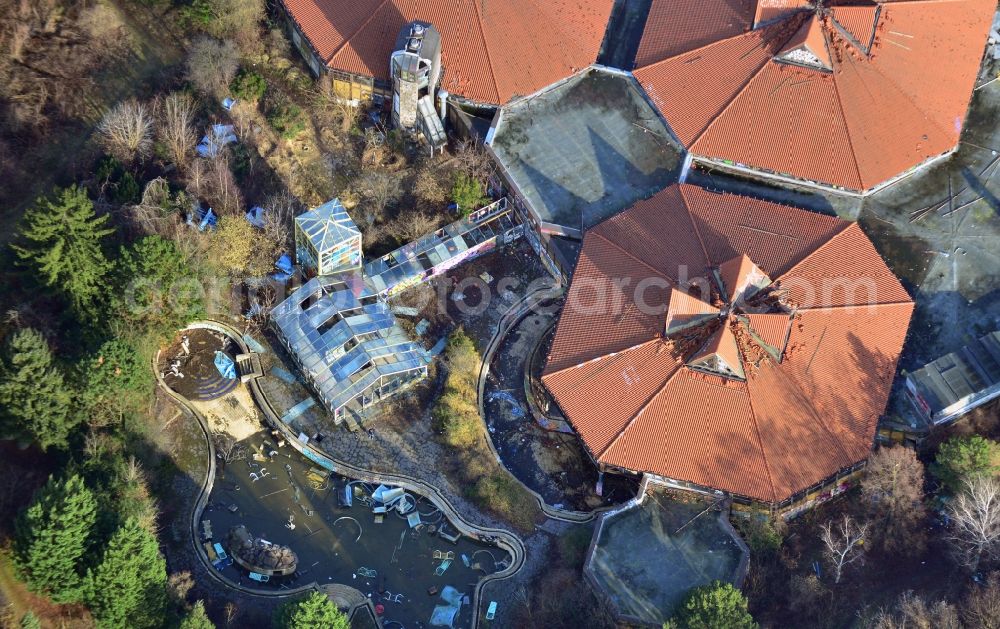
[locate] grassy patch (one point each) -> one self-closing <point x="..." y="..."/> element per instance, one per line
<point x="500" y="493"/>
<point x="457" y="420"/>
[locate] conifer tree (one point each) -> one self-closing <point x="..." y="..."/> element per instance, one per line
<point x="63" y="245"/>
<point x="35" y="403"/>
<point x="51" y="539"/>
<point x="196" y="618"/>
<point x="128" y="586"/>
<point x="315" y="611"/>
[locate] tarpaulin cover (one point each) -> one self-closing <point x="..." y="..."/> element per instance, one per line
<point x="225" y="365"/>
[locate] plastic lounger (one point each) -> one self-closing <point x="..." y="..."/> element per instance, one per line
<point x="491" y="613"/>
<point x="440" y="570"/>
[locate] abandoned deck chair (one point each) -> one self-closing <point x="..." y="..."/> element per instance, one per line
<point x="440" y="570"/>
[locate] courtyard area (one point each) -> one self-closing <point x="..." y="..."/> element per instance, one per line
<point x="646" y="558"/>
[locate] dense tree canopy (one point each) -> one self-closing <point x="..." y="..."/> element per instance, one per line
<point x="156" y="286"/>
<point x="128" y="586"/>
<point x="35" y="403"/>
<point x="62" y="244"/>
<point x="962" y="458"/>
<point x="713" y="606"/>
<point x="315" y="611"/>
<point x="52" y="538"/>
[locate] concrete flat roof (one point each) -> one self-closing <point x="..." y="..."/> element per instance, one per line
<point x="585" y="149"/>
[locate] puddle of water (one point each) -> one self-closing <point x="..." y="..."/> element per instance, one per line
<point x="390" y="562"/>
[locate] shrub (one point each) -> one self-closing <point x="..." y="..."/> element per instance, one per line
<point x="456" y="414"/>
<point x="286" y="119"/>
<point x="963" y="458"/>
<point x="715" y="605"/>
<point x="248" y="85"/>
<point x="467" y="194"/>
<point x="500" y="493"/>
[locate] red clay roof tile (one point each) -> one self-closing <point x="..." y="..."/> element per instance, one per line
<point x="491" y="51"/>
<point x="878" y="114"/>
<point x="799" y="416"/>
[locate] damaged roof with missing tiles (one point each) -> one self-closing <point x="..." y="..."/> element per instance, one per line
<point x="848" y="94"/>
<point x="728" y="342"/>
<point x="492" y="50"/>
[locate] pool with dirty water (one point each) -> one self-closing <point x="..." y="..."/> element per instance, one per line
<point x="338" y="544"/>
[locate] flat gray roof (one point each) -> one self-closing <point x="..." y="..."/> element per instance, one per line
<point x="585" y="149"/>
<point x="972" y="370"/>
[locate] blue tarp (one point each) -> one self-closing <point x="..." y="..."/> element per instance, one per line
<point x="255" y="216"/>
<point x="444" y="615"/>
<point x="225" y="365"/>
<point x="284" y="266"/>
<point x="213" y="142"/>
<point x="208" y="220"/>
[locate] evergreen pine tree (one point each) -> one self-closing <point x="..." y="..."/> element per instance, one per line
<point x="128" y="586"/>
<point x="35" y="402"/>
<point x="62" y="244"/>
<point x="51" y="539"/>
<point x="157" y="286"/>
<point x="315" y="611"/>
<point x="196" y="618"/>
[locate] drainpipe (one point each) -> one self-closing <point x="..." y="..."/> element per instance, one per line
<point x="443" y="105"/>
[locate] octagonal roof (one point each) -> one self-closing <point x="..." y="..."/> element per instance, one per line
<point x="729" y="342"/>
<point x="840" y="92"/>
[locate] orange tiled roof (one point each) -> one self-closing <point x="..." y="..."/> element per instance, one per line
<point x="492" y="50"/>
<point x="762" y="396"/>
<point x="842" y="93"/>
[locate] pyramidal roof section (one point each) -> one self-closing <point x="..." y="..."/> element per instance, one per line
<point x="858" y="22"/>
<point x="720" y="355"/>
<point x="687" y="311"/>
<point x="808" y="46"/>
<point x="770" y="330"/>
<point x="741" y="278"/>
<point x="327" y="225"/>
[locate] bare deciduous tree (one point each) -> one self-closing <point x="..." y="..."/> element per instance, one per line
<point x="231" y="613"/>
<point x="177" y="131"/>
<point x="212" y="64"/>
<point x="981" y="607"/>
<point x="178" y="586"/>
<point x="212" y="180"/>
<point x="474" y="161"/>
<point x="844" y="543"/>
<point x="975" y="522"/>
<point x="126" y="131"/>
<point x="893" y="484"/>
<point x="380" y="190"/>
<point x="228" y="448"/>
<point x="913" y="612"/>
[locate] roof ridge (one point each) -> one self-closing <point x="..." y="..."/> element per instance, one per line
<point x="823" y="245"/>
<point x="363" y="24"/>
<point x="694" y="224"/>
<point x="846" y="306"/>
<point x="600" y="357"/>
<point x="712" y="43"/>
<point x="760" y="441"/>
<point x="639" y="412"/>
<point x="631" y="255"/>
<point x="847" y="127"/>
<point x="746" y="84"/>
<point x="486" y="46"/>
